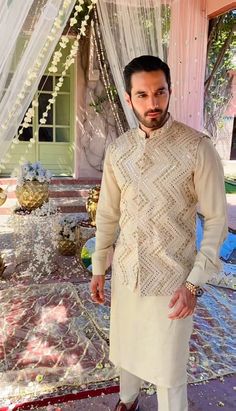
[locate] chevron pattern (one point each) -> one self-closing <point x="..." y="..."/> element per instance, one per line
<point x="156" y="246"/>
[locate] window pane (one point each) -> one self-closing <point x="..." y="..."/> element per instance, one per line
<point x="62" y="135"/>
<point x="27" y="134"/>
<point x="63" y="110"/>
<point x="66" y="84"/>
<point x="45" y="134"/>
<point x="46" y="83"/>
<point x="43" y="102"/>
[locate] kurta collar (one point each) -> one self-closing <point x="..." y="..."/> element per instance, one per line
<point x="159" y="131"/>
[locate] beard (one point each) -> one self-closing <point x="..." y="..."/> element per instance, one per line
<point x="152" y="123"/>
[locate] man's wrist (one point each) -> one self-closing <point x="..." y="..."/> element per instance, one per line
<point x="194" y="289"/>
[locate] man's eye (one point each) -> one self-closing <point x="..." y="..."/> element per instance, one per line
<point x="161" y="92"/>
<point x="141" y="95"/>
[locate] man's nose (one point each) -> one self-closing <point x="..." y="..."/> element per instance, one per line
<point x="153" y="102"/>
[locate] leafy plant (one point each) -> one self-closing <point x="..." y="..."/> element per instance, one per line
<point x="220" y="51"/>
<point x="98" y="103"/>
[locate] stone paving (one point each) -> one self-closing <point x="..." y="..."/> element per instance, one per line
<point x="212" y="395"/>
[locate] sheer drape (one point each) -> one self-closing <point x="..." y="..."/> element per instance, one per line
<point x="28" y="39"/>
<point x="187" y="60"/>
<point x="130" y="29"/>
<point x="174" y="30"/>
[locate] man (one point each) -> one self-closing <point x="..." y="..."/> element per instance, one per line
<point x="153" y="178"/>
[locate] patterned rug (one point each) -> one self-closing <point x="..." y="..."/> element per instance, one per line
<point x="53" y="337"/>
<point x="211" y="345"/>
<point x="47" y="341"/>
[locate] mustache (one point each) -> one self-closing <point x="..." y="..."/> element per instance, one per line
<point x="157" y="110"/>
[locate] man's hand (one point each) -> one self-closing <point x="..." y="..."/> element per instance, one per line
<point x="97" y="288"/>
<point x="184" y="302"/>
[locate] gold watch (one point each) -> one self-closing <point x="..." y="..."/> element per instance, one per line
<point x="194" y="289"/>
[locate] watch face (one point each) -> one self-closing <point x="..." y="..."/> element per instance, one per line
<point x="199" y="292"/>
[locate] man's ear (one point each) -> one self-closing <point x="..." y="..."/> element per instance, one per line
<point x="128" y="99"/>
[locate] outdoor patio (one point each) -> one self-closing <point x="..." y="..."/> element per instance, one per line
<point x="62" y="101"/>
<point x="55" y="340"/>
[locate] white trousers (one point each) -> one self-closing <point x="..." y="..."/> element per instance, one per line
<point x="169" y="399"/>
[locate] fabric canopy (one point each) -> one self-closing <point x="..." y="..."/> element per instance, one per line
<point x="176" y="31"/>
<point x="29" y="32"/>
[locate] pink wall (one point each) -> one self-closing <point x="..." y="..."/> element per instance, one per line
<point x="216" y="7"/>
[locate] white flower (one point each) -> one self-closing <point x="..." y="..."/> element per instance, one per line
<point x="25" y="168"/>
<point x="79" y="8"/>
<point x="64" y="39"/>
<point x="37" y="165"/>
<point x="41" y="179"/>
<point x="82" y="31"/>
<point x="35" y="171"/>
<point x="73" y="21"/>
<point x="48" y="175"/>
<point x="72" y="237"/>
<point x="30" y="176"/>
<point x="66" y="230"/>
<point x="53" y="69"/>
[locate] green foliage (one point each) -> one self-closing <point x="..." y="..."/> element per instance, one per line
<point x="98" y="103"/>
<point x="221" y="50"/>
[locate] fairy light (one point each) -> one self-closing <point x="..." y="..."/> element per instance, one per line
<point x="103" y="68"/>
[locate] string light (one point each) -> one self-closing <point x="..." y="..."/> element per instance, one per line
<point x="103" y="68"/>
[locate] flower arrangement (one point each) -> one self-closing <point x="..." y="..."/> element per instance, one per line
<point x="32" y="185"/>
<point x="67" y="235"/>
<point x="33" y="172"/>
<point x="67" y="227"/>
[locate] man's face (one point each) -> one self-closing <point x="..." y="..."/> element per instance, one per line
<point x="149" y="98"/>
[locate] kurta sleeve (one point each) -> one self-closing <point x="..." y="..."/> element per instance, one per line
<point x="107" y="216"/>
<point x="209" y="186"/>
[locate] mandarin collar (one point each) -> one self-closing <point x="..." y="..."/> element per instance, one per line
<point x="159" y="131"/>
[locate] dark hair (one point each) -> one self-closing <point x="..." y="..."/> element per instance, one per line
<point x="145" y="63"/>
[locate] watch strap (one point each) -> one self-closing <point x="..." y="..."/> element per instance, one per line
<point x="194" y="289"/>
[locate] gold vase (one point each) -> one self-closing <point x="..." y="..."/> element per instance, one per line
<point x="66" y="247"/>
<point x="32" y="194"/>
<point x="2" y="265"/>
<point x="3" y="196"/>
<point x="91" y="204"/>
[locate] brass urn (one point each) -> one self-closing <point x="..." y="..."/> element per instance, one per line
<point x="91" y="204"/>
<point x="66" y="247"/>
<point x="2" y="265"/>
<point x="3" y="196"/>
<point x="32" y="194"/>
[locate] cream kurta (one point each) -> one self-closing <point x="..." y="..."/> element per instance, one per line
<point x="144" y="341"/>
<point x="150" y="189"/>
